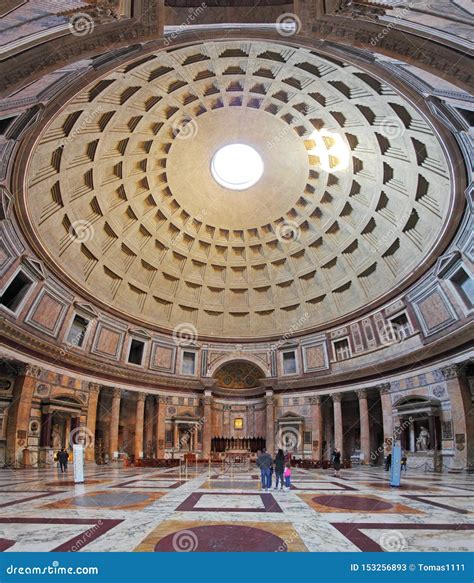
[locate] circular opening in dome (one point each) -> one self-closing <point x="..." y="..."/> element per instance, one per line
<point x="237" y="166"/>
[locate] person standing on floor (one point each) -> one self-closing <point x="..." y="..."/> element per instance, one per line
<point x="287" y="473"/>
<point x="336" y="461"/>
<point x="279" y="469"/>
<point x="63" y="457"/>
<point x="388" y="462"/>
<point x="265" y="463"/>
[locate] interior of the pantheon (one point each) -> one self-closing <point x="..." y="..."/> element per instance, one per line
<point x="229" y="226"/>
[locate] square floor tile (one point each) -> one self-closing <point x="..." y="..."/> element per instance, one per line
<point x="229" y="502"/>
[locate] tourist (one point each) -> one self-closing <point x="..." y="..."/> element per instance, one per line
<point x="388" y="462"/>
<point x="265" y="463"/>
<point x="279" y="469"/>
<point x="336" y="461"/>
<point x="63" y="457"/>
<point x="287" y="474"/>
<point x="403" y="463"/>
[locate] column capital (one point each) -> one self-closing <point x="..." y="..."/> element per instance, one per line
<point x="208" y="384"/>
<point x="451" y="371"/>
<point x="336" y="397"/>
<point x="269" y="383"/>
<point x="160" y="400"/>
<point x="315" y="400"/>
<point x="116" y="393"/>
<point x="362" y="393"/>
<point x="384" y="388"/>
<point x="269" y="398"/>
<point x="29" y="370"/>
<point x="141" y="396"/>
<point x="207" y="398"/>
<point x="94" y="388"/>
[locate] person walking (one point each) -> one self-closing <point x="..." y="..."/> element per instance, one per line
<point x="287" y="474"/>
<point x="63" y="457"/>
<point x="388" y="462"/>
<point x="336" y="461"/>
<point x="265" y="463"/>
<point x="279" y="469"/>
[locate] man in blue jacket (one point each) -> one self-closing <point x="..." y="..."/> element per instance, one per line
<point x="265" y="463"/>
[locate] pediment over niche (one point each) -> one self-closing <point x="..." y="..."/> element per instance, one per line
<point x="445" y="263"/>
<point x="88" y="309"/>
<point x="6" y="203"/>
<point x="140" y="332"/>
<point x="35" y="266"/>
<point x="290" y="416"/>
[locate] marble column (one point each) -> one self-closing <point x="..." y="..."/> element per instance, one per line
<point x="338" y="428"/>
<point x="114" y="423"/>
<point x="317" y="427"/>
<point x="160" y="410"/>
<point x="270" y="423"/>
<point x="207" y="425"/>
<point x="387" y="418"/>
<point x="364" y="426"/>
<point x="139" y="422"/>
<point x="94" y="391"/>
<point x="149" y="417"/>
<point x="19" y="413"/>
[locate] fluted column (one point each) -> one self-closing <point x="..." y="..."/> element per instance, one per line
<point x="387" y="420"/>
<point x="139" y="421"/>
<point x="19" y="412"/>
<point x="270" y="411"/>
<point x="94" y="391"/>
<point x="317" y="427"/>
<point x="207" y="425"/>
<point x="160" y="408"/>
<point x="114" y="423"/>
<point x="338" y="427"/>
<point x="364" y="425"/>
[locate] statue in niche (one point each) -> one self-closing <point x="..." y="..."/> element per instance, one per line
<point x="423" y="439"/>
<point x="56" y="437"/>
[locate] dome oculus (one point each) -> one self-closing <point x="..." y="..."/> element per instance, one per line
<point x="237" y="167"/>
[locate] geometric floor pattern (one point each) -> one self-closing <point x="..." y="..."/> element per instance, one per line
<point x="165" y="510"/>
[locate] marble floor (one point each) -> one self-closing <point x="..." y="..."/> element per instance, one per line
<point x="163" y="510"/>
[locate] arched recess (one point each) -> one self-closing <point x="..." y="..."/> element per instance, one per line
<point x="238" y="374"/>
<point x="229" y="358"/>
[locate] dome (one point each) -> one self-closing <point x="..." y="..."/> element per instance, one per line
<point x="352" y="195"/>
